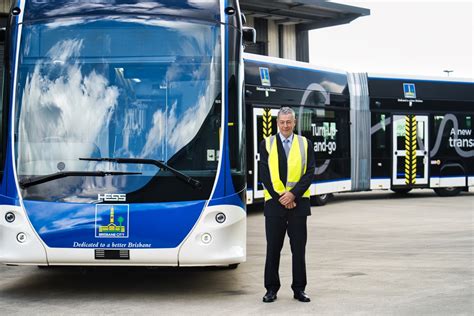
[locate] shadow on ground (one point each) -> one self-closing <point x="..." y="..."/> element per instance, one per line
<point x="384" y="195"/>
<point x="111" y="282"/>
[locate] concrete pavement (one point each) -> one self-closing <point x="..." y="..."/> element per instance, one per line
<point x="367" y="254"/>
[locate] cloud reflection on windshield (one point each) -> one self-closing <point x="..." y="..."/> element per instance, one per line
<point x="179" y="127"/>
<point x="92" y="96"/>
<point x="55" y="110"/>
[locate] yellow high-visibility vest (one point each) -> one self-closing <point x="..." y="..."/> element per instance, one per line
<point x="297" y="163"/>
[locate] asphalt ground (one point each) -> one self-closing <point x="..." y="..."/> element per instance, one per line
<point x="367" y="254"/>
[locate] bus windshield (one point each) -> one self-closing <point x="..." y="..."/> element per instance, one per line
<point x="143" y="88"/>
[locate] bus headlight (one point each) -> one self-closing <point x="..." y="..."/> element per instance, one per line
<point x="206" y="238"/>
<point x="21" y="237"/>
<point x="220" y="218"/>
<point x="10" y="217"/>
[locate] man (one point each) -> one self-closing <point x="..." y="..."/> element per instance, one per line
<point x="287" y="168"/>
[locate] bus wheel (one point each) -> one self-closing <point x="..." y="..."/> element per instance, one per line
<point x="450" y="191"/>
<point x="401" y="191"/>
<point x="320" y="200"/>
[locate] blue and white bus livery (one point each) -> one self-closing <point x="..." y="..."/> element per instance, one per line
<point x="368" y="131"/>
<point x="121" y="124"/>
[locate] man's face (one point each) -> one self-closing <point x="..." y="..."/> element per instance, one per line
<point x="286" y="124"/>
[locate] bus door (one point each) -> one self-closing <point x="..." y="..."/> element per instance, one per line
<point x="410" y="150"/>
<point x="264" y="125"/>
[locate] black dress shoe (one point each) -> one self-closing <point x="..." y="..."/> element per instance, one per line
<point x="302" y="297"/>
<point x="269" y="297"/>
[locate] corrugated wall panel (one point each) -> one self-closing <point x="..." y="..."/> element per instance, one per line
<point x="5" y="5"/>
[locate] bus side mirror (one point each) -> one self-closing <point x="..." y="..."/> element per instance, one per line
<point x="244" y="19"/>
<point x="3" y="26"/>
<point x="3" y="33"/>
<point x="249" y="35"/>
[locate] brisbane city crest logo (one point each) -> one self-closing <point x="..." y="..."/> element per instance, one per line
<point x="111" y="220"/>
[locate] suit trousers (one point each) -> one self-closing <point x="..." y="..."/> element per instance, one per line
<point x="275" y="228"/>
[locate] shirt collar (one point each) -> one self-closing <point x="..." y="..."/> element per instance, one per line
<point x="283" y="137"/>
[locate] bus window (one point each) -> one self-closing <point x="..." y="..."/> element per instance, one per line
<point x="452" y="133"/>
<point x="2" y="81"/>
<point x="326" y="130"/>
<point x="304" y="121"/>
<point x="380" y="137"/>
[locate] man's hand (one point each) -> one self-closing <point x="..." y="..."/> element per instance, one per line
<point x="287" y="198"/>
<point x="291" y="205"/>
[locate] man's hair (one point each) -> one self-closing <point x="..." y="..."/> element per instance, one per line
<point x="286" y="110"/>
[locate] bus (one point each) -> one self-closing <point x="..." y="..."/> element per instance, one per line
<point x="122" y="134"/>
<point x="368" y="131"/>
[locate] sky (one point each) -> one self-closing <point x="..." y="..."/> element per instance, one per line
<point x="419" y="37"/>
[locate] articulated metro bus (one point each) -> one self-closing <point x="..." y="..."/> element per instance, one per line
<point x="368" y="131"/>
<point x="122" y="134"/>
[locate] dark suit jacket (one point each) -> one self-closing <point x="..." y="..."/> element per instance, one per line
<point x="273" y="207"/>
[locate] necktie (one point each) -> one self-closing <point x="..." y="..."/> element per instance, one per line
<point x="286" y="146"/>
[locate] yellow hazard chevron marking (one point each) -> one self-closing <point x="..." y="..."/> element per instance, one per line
<point x="414" y="135"/>
<point x="267" y="123"/>
<point x="410" y="149"/>
<point x="407" y="150"/>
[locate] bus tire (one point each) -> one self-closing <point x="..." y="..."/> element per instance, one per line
<point x="450" y="191"/>
<point x="233" y="266"/>
<point x="320" y="200"/>
<point x="401" y="191"/>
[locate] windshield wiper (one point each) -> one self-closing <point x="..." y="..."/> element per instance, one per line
<point x="28" y="182"/>
<point x="159" y="163"/>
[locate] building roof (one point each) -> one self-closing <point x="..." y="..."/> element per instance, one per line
<point x="308" y="14"/>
